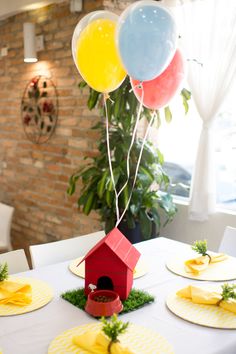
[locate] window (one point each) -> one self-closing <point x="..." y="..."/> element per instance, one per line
<point x="178" y="141"/>
<point x="225" y="131"/>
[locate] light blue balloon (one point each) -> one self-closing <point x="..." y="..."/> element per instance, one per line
<point x="146" y="37"/>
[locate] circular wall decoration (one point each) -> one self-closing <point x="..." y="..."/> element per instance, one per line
<point x="39" y="109"/>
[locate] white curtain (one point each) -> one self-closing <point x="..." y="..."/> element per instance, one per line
<point x="208" y="37"/>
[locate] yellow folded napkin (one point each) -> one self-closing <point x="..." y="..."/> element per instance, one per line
<point x="97" y="343"/>
<point x="206" y="296"/>
<point x="15" y="293"/>
<point x="200" y="295"/>
<point x="229" y="305"/>
<point x="198" y="264"/>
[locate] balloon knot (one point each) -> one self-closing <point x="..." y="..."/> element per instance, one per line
<point x="106" y="96"/>
<point x="140" y="85"/>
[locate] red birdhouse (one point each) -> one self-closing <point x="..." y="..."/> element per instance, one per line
<point x="110" y="264"/>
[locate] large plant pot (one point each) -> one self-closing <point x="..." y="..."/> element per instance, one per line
<point x="135" y="235"/>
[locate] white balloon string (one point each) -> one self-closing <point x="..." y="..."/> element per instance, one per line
<point x="132" y="141"/>
<point x="137" y="167"/>
<point x="109" y="158"/>
<point x="109" y="98"/>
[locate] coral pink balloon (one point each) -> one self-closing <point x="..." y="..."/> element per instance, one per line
<point x="159" y="91"/>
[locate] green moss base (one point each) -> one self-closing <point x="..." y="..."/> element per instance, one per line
<point x="136" y="299"/>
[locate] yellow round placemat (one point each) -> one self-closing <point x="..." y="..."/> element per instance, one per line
<point x="204" y="315"/>
<point x="220" y="271"/>
<point x="139" y="339"/>
<point x="140" y="269"/>
<point x="42" y="294"/>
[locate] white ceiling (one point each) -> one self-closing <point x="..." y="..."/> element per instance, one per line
<point x="11" y="7"/>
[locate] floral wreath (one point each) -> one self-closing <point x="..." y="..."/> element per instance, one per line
<point x="39" y="109"/>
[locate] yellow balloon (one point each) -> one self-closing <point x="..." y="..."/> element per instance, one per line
<point x="97" y="56"/>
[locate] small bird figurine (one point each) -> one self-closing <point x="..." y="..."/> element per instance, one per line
<point x="92" y="287"/>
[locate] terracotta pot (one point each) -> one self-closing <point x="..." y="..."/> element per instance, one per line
<point x="96" y="306"/>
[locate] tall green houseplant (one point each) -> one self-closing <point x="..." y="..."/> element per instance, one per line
<point x="150" y="204"/>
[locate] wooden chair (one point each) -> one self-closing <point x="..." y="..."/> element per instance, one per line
<point x="65" y="250"/>
<point x="16" y="260"/>
<point x="6" y="213"/>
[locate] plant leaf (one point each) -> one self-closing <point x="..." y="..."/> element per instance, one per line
<point x="130" y="221"/>
<point x="93" y="99"/>
<point x="146" y="224"/>
<point x="156" y="217"/>
<point x="101" y="185"/>
<point x="82" y="84"/>
<point x="108" y="196"/>
<point x="89" y="203"/>
<point x="186" y="94"/>
<point x="3" y="271"/>
<point x="86" y="174"/>
<point x="168" y="114"/>
<point x="186" y="106"/>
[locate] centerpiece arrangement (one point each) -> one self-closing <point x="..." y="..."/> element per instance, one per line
<point x="121" y="181"/>
<point x="137" y="186"/>
<point x="106" y="48"/>
<point x="109" y="267"/>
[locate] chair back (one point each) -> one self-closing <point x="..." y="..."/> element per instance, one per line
<point x="228" y="242"/>
<point x="65" y="250"/>
<point x="16" y="260"/>
<point x="6" y="213"/>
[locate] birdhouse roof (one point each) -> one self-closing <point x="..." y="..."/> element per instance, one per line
<point x="120" y="246"/>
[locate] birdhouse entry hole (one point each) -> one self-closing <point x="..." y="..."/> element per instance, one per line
<point x="105" y="283"/>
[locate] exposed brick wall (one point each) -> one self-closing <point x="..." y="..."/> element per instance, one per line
<point x="34" y="178"/>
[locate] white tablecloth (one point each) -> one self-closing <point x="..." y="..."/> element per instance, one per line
<point x="32" y="333"/>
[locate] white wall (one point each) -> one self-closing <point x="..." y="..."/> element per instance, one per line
<point x="185" y="230"/>
<point x="12" y="7"/>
